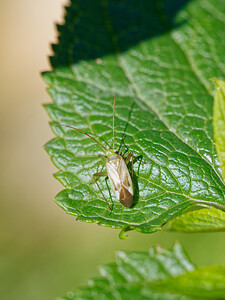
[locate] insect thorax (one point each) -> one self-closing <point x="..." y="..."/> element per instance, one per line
<point x="113" y="157"/>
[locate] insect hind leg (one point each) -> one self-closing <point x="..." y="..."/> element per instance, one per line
<point x="131" y="156"/>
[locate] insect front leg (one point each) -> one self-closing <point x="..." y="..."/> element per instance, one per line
<point x="95" y="176"/>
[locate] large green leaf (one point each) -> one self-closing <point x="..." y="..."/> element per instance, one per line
<point x="157" y="58"/>
<point x="159" y="274"/>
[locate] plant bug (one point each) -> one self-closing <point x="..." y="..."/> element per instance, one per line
<point x="116" y="170"/>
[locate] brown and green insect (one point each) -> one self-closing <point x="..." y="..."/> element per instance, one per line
<point x="117" y="171"/>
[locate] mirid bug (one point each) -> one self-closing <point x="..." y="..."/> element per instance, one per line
<point x="117" y="171"/>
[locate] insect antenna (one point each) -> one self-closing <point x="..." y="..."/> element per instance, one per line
<point x="113" y="121"/>
<point x="85" y="134"/>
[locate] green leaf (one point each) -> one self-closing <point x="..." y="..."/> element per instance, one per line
<point x="157" y="58"/>
<point x="204" y="282"/>
<point x="206" y="220"/>
<point x="203" y="220"/>
<point x="219" y="121"/>
<point x="159" y="274"/>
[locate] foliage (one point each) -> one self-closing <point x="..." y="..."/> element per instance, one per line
<point x="153" y="60"/>
<point x="158" y="57"/>
<point x="159" y="274"/>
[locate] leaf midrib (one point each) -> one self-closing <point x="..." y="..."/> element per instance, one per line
<point x="135" y="89"/>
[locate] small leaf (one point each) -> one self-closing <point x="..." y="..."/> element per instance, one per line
<point x="203" y="220"/>
<point x="219" y="121"/>
<point x="159" y="274"/>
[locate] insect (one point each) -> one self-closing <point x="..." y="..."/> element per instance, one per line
<point x="117" y="171"/>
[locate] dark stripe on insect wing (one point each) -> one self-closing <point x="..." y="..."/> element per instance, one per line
<point x="117" y="187"/>
<point x="126" y="182"/>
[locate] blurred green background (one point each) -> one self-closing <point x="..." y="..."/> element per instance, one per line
<point x="44" y="252"/>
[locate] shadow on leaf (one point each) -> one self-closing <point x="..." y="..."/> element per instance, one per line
<point x="95" y="28"/>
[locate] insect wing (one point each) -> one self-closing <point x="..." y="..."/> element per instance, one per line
<point x="114" y="178"/>
<point x="126" y="192"/>
<point x="120" y="181"/>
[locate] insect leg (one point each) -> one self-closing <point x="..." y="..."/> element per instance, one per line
<point x="100" y="163"/>
<point x="96" y="175"/>
<point x="103" y="156"/>
<point x="99" y="174"/>
<point x="121" y="145"/>
<point x="127" y="159"/>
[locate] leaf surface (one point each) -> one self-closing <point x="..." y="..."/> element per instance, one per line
<point x="204" y="282"/>
<point x="203" y="220"/>
<point x="149" y="55"/>
<point x="219" y="121"/>
<point x="159" y="274"/>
